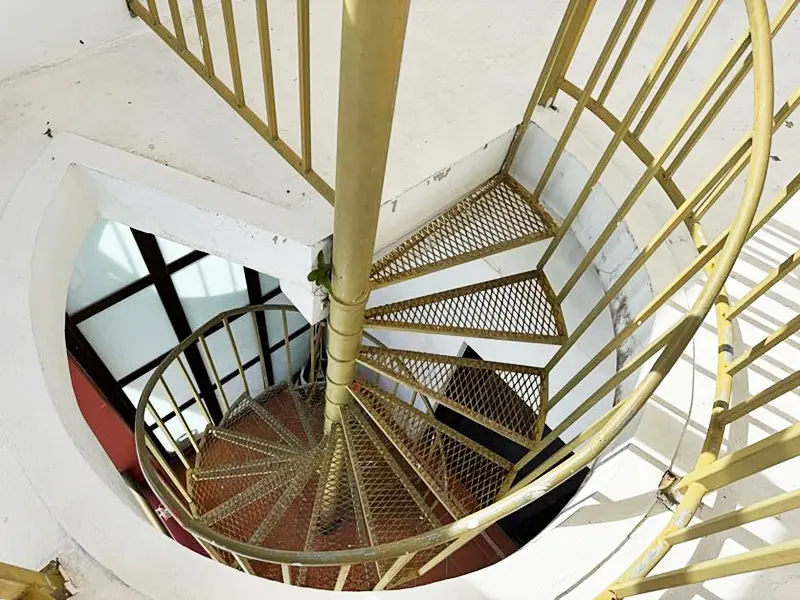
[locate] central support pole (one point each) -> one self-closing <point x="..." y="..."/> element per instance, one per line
<point x="372" y="44"/>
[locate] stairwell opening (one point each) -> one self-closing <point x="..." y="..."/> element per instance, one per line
<point x="132" y="297"/>
<point x="525" y="524"/>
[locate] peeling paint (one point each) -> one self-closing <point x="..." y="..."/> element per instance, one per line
<point x="441" y="174"/>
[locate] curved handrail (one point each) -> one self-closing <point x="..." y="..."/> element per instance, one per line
<point x="626" y="410"/>
<point x="762" y="138"/>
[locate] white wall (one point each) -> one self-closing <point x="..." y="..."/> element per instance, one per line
<point x="45" y="223"/>
<point x="467" y="74"/>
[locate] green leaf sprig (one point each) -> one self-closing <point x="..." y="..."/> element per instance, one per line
<point x="322" y="274"/>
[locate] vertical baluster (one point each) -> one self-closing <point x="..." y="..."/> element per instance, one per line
<point x="162" y="426"/>
<point x="312" y="377"/>
<point x="286" y="346"/>
<point x="236" y="355"/>
<point x="151" y="446"/>
<point x="676" y="67"/>
<point x="736" y="52"/>
<point x="177" y="24"/>
<point x="457" y="544"/>
<point x="586" y="94"/>
<point x="542" y="83"/>
<point x="215" y="373"/>
<point x="304" y="78"/>
<point x="262" y="17"/>
<point x="195" y="393"/>
<point x="626" y="50"/>
<point x="179" y="414"/>
<point x="393" y="571"/>
<point x="233" y="50"/>
<point x="619" y="135"/>
<point x="210" y="550"/>
<point x="260" y="351"/>
<point x="564" y="57"/>
<point x="244" y="563"/>
<point x="286" y="574"/>
<point x="341" y="579"/>
<point x="202" y="31"/>
<point x="152" y="8"/>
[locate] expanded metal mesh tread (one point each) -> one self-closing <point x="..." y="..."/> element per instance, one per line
<point x="337" y="520"/>
<point x="254" y="468"/>
<point x="463" y="475"/>
<point x="392" y="506"/>
<point x="497" y="216"/>
<point x="274" y="409"/>
<point x="519" y="307"/>
<point x="354" y="488"/>
<point x="503" y="397"/>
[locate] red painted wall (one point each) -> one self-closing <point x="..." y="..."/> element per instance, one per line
<point x="109" y="428"/>
<point x="118" y="441"/>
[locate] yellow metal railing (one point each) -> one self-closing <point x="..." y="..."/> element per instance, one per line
<point x="205" y="59"/>
<point x="17" y="583"/>
<point x="360" y="175"/>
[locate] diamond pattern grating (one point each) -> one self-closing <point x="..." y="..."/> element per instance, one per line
<point x="503" y="397"/>
<point x="267" y="476"/>
<point x="337" y="521"/>
<point x="392" y="505"/>
<point x="497" y="216"/>
<point x="346" y="490"/>
<point x="252" y="468"/>
<point x="463" y="475"/>
<point x="519" y="307"/>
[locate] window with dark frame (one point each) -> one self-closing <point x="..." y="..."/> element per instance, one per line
<point x="158" y="262"/>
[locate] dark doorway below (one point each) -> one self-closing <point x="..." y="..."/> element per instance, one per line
<point x="526" y="523"/>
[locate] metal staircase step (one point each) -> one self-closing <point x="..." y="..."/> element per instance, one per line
<point x="337" y="520"/>
<point x="266" y="489"/>
<point x="300" y="406"/>
<point x="250" y="468"/>
<point x="519" y="307"/>
<point x="283" y="432"/>
<point x="297" y="518"/>
<point x="391" y="505"/>
<point x="498" y="215"/>
<point x="251" y="443"/>
<point x="463" y="475"/>
<point x="504" y="398"/>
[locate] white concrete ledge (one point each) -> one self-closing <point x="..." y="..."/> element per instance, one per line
<point x="41" y="232"/>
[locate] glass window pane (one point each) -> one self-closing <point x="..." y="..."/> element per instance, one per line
<point x="235" y="387"/>
<point x="194" y="415"/>
<point x="274" y="320"/>
<point x="109" y="260"/>
<point x="158" y="397"/>
<point x="208" y="287"/>
<point x="172" y="251"/>
<point x="131" y="332"/>
<point x="219" y="346"/>
<point x="300" y="349"/>
<point x="268" y="283"/>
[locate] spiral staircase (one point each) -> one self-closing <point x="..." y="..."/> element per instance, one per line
<point x="346" y="477"/>
<point x="269" y="475"/>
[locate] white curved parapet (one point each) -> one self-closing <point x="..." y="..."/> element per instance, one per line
<point x="44" y="224"/>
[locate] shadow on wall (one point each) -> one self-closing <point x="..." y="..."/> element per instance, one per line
<point x="758" y="321"/>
